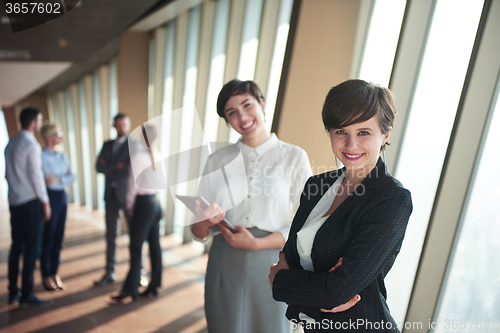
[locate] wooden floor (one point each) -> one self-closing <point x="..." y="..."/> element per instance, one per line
<point x="84" y="308"/>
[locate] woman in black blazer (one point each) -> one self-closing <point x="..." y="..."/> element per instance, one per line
<point x="350" y="224"/>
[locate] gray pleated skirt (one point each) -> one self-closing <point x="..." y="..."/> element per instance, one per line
<point x="238" y="297"/>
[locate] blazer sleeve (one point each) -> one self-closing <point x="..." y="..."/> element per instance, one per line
<point x="111" y="161"/>
<point x="103" y="155"/>
<point x="376" y="242"/>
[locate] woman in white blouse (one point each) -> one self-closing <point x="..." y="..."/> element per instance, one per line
<point x="255" y="184"/>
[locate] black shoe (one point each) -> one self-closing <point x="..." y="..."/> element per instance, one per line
<point x="14" y="299"/>
<point x="105" y="280"/>
<point x="123" y="295"/>
<point x="149" y="293"/>
<point x="33" y="302"/>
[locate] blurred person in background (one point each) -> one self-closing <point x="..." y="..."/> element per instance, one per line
<point x="58" y="176"/>
<point x="114" y="163"/>
<point x="146" y="213"/>
<point x="29" y="206"/>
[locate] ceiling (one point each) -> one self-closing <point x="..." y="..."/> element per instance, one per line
<point x="19" y="79"/>
<point x="31" y="58"/>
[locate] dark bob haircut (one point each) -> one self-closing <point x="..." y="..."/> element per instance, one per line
<point x="27" y="116"/>
<point x="356" y="101"/>
<point x="233" y="88"/>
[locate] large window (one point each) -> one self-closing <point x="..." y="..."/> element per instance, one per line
<point x="432" y="113"/>
<point x="381" y="41"/>
<point x="472" y="290"/>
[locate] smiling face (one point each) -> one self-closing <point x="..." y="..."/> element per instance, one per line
<point x="246" y="116"/>
<point x="358" y="145"/>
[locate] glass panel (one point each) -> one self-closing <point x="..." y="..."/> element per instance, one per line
<point x="249" y="47"/>
<point x="4" y="139"/>
<point x="166" y="119"/>
<point x="277" y="61"/>
<point x="188" y="111"/>
<point x="250" y="40"/>
<point x="73" y="159"/>
<point x="381" y="41"/>
<point x="151" y="69"/>
<point x="113" y="89"/>
<point x="98" y="136"/>
<point x="216" y="76"/>
<point x="444" y="65"/>
<point x="84" y="132"/>
<point x="56" y="110"/>
<point x="472" y="290"/>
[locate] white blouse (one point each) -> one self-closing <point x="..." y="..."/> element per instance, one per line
<point x="139" y="162"/>
<point x="257" y="187"/>
<point x="306" y="235"/>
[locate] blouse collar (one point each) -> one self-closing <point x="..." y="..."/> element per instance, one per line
<point x="260" y="149"/>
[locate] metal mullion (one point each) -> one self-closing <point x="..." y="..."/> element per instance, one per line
<point x="267" y="38"/>
<point x="407" y="63"/>
<point x="233" y="46"/>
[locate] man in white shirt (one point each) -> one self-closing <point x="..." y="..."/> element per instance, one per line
<point x="29" y="206"/>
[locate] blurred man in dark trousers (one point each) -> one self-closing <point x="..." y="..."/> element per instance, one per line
<point x="114" y="163"/>
<point x="29" y="206"/>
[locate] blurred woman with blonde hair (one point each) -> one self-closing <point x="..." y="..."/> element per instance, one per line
<point x="58" y="176"/>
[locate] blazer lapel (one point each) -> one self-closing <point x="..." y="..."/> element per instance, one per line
<point x="371" y="181"/>
<point x="316" y="188"/>
<point x="315" y="192"/>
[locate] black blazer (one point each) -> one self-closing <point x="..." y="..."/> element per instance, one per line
<point x="367" y="230"/>
<point x="115" y="178"/>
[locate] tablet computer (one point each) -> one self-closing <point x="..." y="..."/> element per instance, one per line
<point x="190" y="203"/>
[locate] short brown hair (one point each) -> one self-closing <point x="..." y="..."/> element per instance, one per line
<point x="233" y="88"/>
<point x="356" y="101"/>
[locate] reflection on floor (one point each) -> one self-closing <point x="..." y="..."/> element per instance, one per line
<point x="84" y="308"/>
